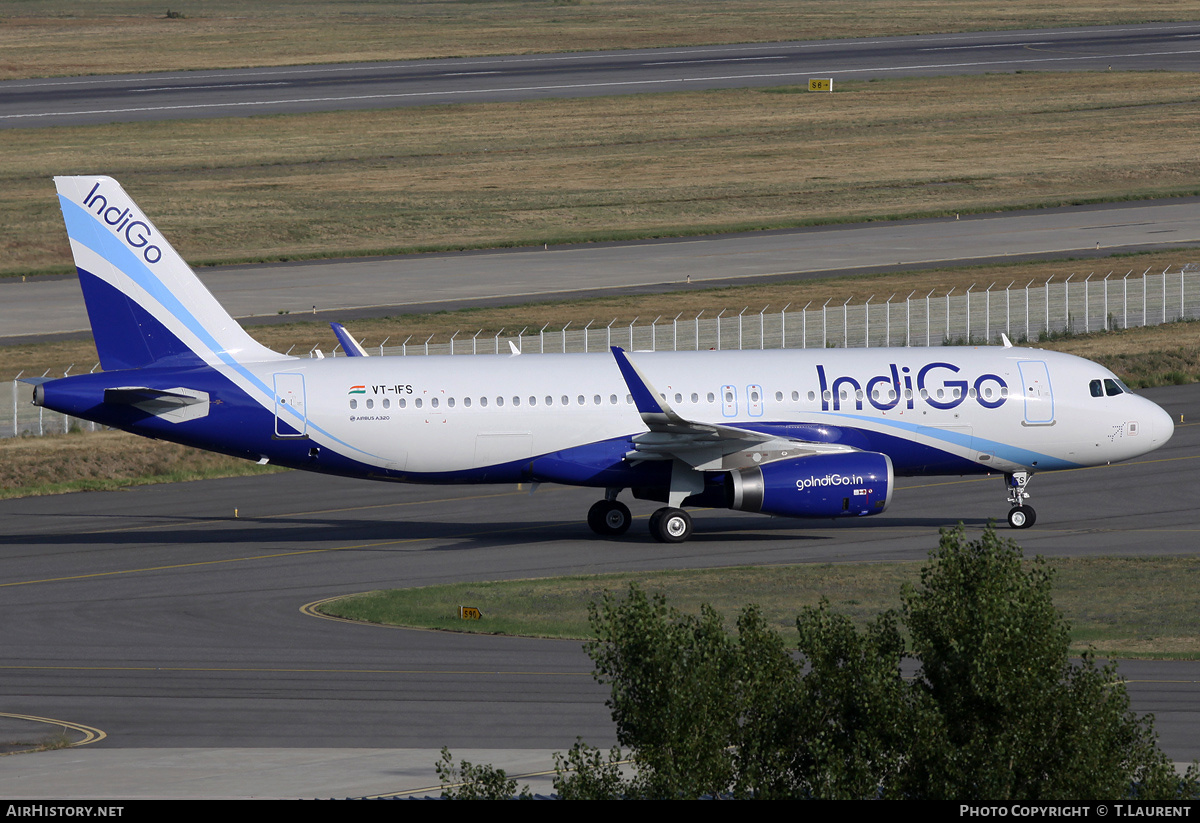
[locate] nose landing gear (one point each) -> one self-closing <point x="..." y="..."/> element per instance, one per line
<point x="1020" y="516"/>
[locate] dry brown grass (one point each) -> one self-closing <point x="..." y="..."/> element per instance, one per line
<point x="664" y="164"/>
<point x="104" y="460"/>
<point x="58" y="37"/>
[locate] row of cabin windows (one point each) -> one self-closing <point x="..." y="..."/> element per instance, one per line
<point x="612" y="400"/>
<point x="467" y="402"/>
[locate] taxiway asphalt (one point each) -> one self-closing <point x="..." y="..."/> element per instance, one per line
<point x="158" y="618"/>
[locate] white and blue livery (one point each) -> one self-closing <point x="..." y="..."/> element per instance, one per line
<point x="797" y="433"/>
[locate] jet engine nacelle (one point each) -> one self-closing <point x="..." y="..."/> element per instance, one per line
<point x="821" y="485"/>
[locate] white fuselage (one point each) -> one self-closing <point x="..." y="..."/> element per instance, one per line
<point x="1002" y="409"/>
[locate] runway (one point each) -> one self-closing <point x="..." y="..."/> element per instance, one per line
<point x="159" y="619"/>
<point x="298" y="89"/>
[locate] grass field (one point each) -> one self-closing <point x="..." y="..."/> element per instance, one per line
<point x="62" y="37"/>
<point x="102" y="461"/>
<point x="346" y="183"/>
<point x="1121" y="606"/>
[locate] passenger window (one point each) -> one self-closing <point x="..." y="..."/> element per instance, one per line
<point x="354" y="404"/>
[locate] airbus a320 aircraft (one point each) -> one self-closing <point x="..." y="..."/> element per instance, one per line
<point x="797" y="433"/>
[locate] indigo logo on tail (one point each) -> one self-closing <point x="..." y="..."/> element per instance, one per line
<point x="136" y="232"/>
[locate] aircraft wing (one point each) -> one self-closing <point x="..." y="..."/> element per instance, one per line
<point x="703" y="446"/>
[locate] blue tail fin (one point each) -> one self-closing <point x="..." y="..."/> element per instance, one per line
<point x="145" y="304"/>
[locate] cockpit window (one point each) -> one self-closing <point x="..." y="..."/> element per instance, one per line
<point x="1109" y="386"/>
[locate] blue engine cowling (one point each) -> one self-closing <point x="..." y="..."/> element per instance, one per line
<point x="851" y="484"/>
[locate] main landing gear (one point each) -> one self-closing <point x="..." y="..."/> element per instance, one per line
<point x="1020" y="516"/>
<point x="611" y="518"/>
<point x="668" y="525"/>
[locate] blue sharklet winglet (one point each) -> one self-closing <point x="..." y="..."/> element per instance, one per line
<point x="659" y="417"/>
<point x="349" y="344"/>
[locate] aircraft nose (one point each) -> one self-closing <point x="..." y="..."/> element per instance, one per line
<point x="1157" y="424"/>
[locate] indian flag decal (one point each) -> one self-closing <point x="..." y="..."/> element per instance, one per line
<point x="357" y="390"/>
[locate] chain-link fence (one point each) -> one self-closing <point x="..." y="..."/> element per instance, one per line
<point x="1025" y="313"/>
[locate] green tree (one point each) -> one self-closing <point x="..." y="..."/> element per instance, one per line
<point x="1013" y="718"/>
<point x="859" y="713"/>
<point x="470" y="781"/>
<point x="671" y="700"/>
<point x="997" y="710"/>
<point x="584" y="773"/>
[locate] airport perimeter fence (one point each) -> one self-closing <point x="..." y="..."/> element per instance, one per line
<point x="1026" y="314"/>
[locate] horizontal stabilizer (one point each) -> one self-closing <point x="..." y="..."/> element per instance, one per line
<point x="175" y="405"/>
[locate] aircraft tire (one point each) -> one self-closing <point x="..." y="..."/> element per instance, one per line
<point x="609" y="518"/>
<point x="1021" y="517"/>
<point x="668" y="525"/>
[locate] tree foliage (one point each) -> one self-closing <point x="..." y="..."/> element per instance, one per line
<point x="470" y="781"/>
<point x="671" y="699"/>
<point x="996" y="710"/>
<point x="1011" y="717"/>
